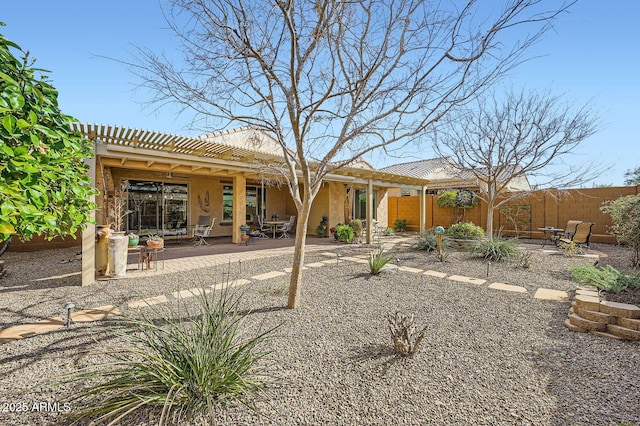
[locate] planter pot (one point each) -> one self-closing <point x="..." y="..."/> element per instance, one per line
<point x="134" y="240"/>
<point x="117" y="245"/>
<point x="103" y="232"/>
<point x="245" y="228"/>
<point x="155" y="244"/>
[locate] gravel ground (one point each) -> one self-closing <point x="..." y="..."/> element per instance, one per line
<point x="489" y="357"/>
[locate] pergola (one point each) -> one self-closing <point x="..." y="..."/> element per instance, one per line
<point x="238" y="154"/>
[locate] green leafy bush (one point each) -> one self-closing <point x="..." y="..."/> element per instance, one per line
<point x="400" y="225"/>
<point x="187" y="366"/>
<point x="377" y="261"/>
<point x="496" y="249"/>
<point x="625" y="213"/>
<point x="447" y="199"/>
<point x="465" y="230"/>
<point x="344" y="233"/>
<point x="607" y="278"/>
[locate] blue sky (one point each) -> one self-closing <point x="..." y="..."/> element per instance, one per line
<point x="592" y="56"/>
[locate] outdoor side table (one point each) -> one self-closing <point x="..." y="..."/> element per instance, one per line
<point x="150" y="257"/>
<point x="138" y="250"/>
<point x="551" y="234"/>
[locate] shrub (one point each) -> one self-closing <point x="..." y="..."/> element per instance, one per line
<point x="625" y="213"/>
<point x="344" y="233"/>
<point x="377" y="261"/>
<point x="400" y="225"/>
<point x="406" y="338"/>
<point x="187" y="366"/>
<point x="428" y="241"/>
<point x="607" y="278"/>
<point x="496" y="249"/>
<point x="356" y="225"/>
<point x="465" y="230"/>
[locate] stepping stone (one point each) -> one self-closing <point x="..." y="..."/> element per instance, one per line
<point x="95" y="314"/>
<point x="330" y="261"/>
<point x="328" y="254"/>
<point x="355" y="259"/>
<point x="185" y="294"/>
<point x="268" y="275"/>
<point x="435" y="274"/>
<point x="148" y="301"/>
<point x="549" y="294"/>
<point x="508" y="287"/>
<point x="26" y="330"/>
<point x="316" y="265"/>
<point x="409" y="269"/>
<point x="234" y="283"/>
<point x="463" y="279"/>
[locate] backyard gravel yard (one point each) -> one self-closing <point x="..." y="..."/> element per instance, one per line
<point x="490" y="357"/>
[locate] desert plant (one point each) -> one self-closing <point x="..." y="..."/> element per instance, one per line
<point x="427" y="241"/>
<point x="465" y="230"/>
<point x="625" y="213"/>
<point x="406" y="338"/>
<point x="400" y="225"/>
<point x="344" y="233"/>
<point x="570" y="249"/>
<point x="356" y="225"/>
<point x="526" y="259"/>
<point x="186" y="367"/>
<point x="495" y="249"/>
<point x="377" y="261"/>
<point x="607" y="278"/>
<point x="389" y="232"/>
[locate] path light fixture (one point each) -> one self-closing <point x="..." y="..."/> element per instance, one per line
<point x="488" y="266"/>
<point x="240" y="265"/>
<point x="338" y="258"/>
<point x="68" y="307"/>
<point x="397" y="264"/>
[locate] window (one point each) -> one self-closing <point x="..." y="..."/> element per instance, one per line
<point x="227" y="203"/>
<point x="255" y="201"/>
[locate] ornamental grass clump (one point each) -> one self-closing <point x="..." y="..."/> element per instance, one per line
<point x="428" y="241"/>
<point x="496" y="249"/>
<point x="185" y="367"/>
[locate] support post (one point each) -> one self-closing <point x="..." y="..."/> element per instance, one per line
<point x="89" y="233"/>
<point x="369" y="214"/>
<point x="239" y="206"/>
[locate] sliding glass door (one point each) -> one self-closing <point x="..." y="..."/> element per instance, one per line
<point x="157" y="208"/>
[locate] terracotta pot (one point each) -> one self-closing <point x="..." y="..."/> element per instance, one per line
<point x="155" y="244"/>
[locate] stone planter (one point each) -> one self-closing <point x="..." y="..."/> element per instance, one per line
<point x="117" y="247"/>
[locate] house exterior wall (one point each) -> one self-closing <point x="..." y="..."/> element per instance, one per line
<point x="546" y="209"/>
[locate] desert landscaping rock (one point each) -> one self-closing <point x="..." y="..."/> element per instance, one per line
<point x="489" y="357"/>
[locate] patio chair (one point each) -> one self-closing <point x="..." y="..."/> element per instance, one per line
<point x="580" y="236"/>
<point x="201" y="232"/>
<point x="261" y="227"/>
<point x="569" y="230"/>
<point x="285" y="229"/>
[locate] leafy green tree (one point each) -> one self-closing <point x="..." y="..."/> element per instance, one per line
<point x="632" y="177"/>
<point x="625" y="213"/>
<point x="44" y="185"/>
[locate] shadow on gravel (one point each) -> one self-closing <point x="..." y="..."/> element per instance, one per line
<point x="593" y="379"/>
<point x="383" y="356"/>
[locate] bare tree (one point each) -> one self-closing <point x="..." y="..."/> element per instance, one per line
<point x="333" y="80"/>
<point x="517" y="137"/>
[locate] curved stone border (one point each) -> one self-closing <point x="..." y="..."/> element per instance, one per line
<point x="589" y="313"/>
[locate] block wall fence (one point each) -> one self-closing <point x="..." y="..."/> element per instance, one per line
<point x="546" y="208"/>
